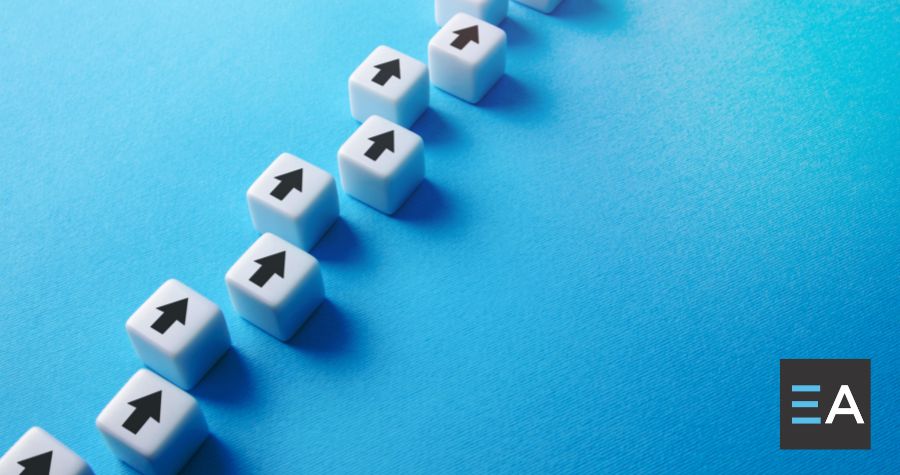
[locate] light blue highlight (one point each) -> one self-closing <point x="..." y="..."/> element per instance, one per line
<point x="804" y="403"/>
<point x="805" y="388"/>
<point x="806" y="420"/>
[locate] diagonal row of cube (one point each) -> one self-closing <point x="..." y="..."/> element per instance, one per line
<point x="276" y="284"/>
<point x="152" y="423"/>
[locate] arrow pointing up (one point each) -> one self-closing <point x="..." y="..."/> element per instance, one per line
<point x="171" y="313"/>
<point x="37" y="465"/>
<point x="287" y="182"/>
<point x="386" y="71"/>
<point x="380" y="143"/>
<point x="145" y="408"/>
<point x="465" y="36"/>
<point x="268" y="266"/>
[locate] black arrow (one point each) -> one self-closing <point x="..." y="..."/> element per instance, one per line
<point x="380" y="143"/>
<point x="289" y="181"/>
<point x="268" y="266"/>
<point x="171" y="313"/>
<point x="465" y="36"/>
<point x="37" y="465"/>
<point x="386" y="71"/>
<point x="145" y="408"/>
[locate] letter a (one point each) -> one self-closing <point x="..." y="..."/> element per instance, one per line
<point x="836" y="408"/>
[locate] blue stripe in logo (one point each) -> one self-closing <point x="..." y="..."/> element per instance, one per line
<point x="804" y="403"/>
<point x="805" y="388"/>
<point x="806" y="420"/>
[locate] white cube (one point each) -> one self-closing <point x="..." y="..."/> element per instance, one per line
<point x="152" y="425"/>
<point x="293" y="199"/>
<point x="275" y="286"/>
<point x="467" y="56"/>
<point x="381" y="164"/>
<point x="545" y="6"/>
<point x="38" y="452"/>
<point x="493" y="11"/>
<point x="179" y="333"/>
<point x="390" y="84"/>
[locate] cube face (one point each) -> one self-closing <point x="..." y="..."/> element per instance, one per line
<point x="390" y="84"/>
<point x="545" y="6"/>
<point x="467" y="57"/>
<point x="152" y="425"/>
<point x="492" y="11"/>
<point x="275" y="286"/>
<point x="39" y="452"/>
<point x="179" y="333"/>
<point x="295" y="200"/>
<point x="381" y="164"/>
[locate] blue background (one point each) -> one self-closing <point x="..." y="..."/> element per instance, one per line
<point x="610" y="256"/>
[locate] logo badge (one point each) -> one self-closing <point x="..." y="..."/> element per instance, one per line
<point x="825" y="404"/>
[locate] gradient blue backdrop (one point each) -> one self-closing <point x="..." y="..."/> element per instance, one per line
<point x="610" y="256"/>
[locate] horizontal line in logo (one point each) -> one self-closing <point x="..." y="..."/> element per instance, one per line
<point x="805" y="388"/>
<point x="804" y="403"/>
<point x="806" y="420"/>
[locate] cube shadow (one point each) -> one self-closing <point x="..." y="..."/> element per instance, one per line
<point x="228" y="382"/>
<point x="427" y="204"/>
<point x="327" y="332"/>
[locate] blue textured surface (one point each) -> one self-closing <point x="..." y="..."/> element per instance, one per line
<point x="610" y="255"/>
